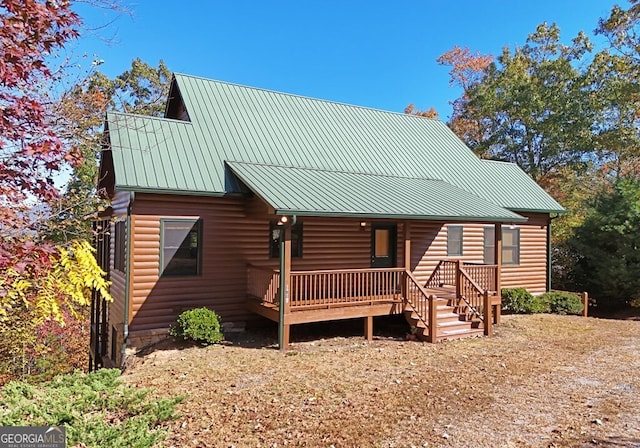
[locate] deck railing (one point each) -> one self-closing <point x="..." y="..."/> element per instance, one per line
<point x="474" y="285"/>
<point x="484" y="275"/>
<point x="323" y="288"/>
<point x="263" y="284"/>
<point x="422" y="303"/>
<point x="472" y="294"/>
<point x="443" y="275"/>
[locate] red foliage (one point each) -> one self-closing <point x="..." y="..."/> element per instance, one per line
<point x="30" y="31"/>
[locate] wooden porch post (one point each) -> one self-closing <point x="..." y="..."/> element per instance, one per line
<point x="488" y="323"/>
<point x="497" y="256"/>
<point x="433" y="319"/>
<point x="458" y="280"/>
<point x="407" y="245"/>
<point x="407" y="262"/>
<point x="368" y="328"/>
<point x="285" y="286"/>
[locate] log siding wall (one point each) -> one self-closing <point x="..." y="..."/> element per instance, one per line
<point x="236" y="233"/>
<point x="530" y="273"/>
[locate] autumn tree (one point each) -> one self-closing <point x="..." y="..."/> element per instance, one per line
<point x="533" y="105"/>
<point x="467" y="70"/>
<point x="40" y="279"/>
<point x="142" y="89"/>
<point x="428" y="113"/>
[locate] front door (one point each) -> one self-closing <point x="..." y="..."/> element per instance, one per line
<point x="383" y="245"/>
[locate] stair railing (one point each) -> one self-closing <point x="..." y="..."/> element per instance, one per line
<point x="471" y="294"/>
<point x="476" y="299"/>
<point x="421" y="303"/>
<point x="443" y="274"/>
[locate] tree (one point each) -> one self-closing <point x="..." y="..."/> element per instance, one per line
<point x="41" y="280"/>
<point x="142" y="89"/>
<point x="533" y="107"/>
<point x="429" y="113"/>
<point x="467" y="70"/>
<point x="607" y="246"/>
<point x="615" y="73"/>
<point x="31" y="151"/>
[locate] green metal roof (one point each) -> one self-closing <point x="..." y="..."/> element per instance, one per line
<point x="243" y="124"/>
<point x="515" y="189"/>
<point x="306" y="191"/>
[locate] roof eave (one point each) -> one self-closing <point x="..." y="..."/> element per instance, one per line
<point x="354" y="214"/>
<point x="174" y="191"/>
<point x="537" y="210"/>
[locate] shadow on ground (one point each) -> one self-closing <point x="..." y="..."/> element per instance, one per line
<point x="263" y="334"/>
<point x="611" y="442"/>
<point x="628" y="313"/>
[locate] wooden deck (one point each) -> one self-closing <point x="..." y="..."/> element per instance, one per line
<point x="451" y="304"/>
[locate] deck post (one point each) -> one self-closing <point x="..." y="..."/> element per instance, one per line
<point x="285" y="286"/>
<point x="407" y="246"/>
<point x="458" y="280"/>
<point x="486" y="311"/>
<point x="407" y="262"/>
<point x="433" y="319"/>
<point x="497" y="254"/>
<point x="368" y="328"/>
<point x="585" y="304"/>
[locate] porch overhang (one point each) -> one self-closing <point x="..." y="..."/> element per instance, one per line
<point x="315" y="192"/>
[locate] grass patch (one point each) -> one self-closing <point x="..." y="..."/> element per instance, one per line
<point x="96" y="409"/>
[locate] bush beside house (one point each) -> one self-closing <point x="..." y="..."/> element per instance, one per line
<point x="521" y="301"/>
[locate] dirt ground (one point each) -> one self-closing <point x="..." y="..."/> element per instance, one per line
<point x="541" y="381"/>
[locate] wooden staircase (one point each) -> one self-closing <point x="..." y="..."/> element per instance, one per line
<point x="452" y="322"/>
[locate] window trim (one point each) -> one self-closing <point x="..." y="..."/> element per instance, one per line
<point x="516" y="231"/>
<point x="161" y="267"/>
<point x="518" y="246"/>
<point x="450" y="251"/>
<point x="295" y="253"/>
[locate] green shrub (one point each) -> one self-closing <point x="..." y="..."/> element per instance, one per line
<point x="521" y="301"/>
<point x="200" y="325"/>
<point x="96" y="409"/>
<point x="562" y="302"/>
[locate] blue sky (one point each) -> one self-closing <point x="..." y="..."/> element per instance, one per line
<point x="375" y="53"/>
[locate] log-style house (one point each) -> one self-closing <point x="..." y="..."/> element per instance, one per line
<point x="258" y="203"/>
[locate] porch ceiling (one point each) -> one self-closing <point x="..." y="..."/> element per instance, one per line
<point x="315" y="192"/>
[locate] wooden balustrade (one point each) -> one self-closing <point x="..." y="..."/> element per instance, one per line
<point x="422" y="303"/>
<point x="263" y="284"/>
<point x="343" y="287"/>
<point x="472" y="294"/>
<point x="443" y="275"/>
<point x="484" y="275"/>
<point x="474" y="285"/>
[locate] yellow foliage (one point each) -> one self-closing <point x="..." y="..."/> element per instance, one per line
<point x="74" y="274"/>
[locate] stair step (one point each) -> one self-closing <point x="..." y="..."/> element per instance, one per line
<point x="452" y="328"/>
<point x="459" y="334"/>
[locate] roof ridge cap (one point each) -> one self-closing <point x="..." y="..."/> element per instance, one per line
<point x="306" y="97"/>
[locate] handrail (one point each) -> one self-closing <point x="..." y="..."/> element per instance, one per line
<point x="333" y="271"/>
<point x="472" y="294"/>
<point x="263" y="284"/>
<point x="348" y="286"/>
<point x="483" y="274"/>
<point x="443" y="274"/>
<point x="422" y="303"/>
